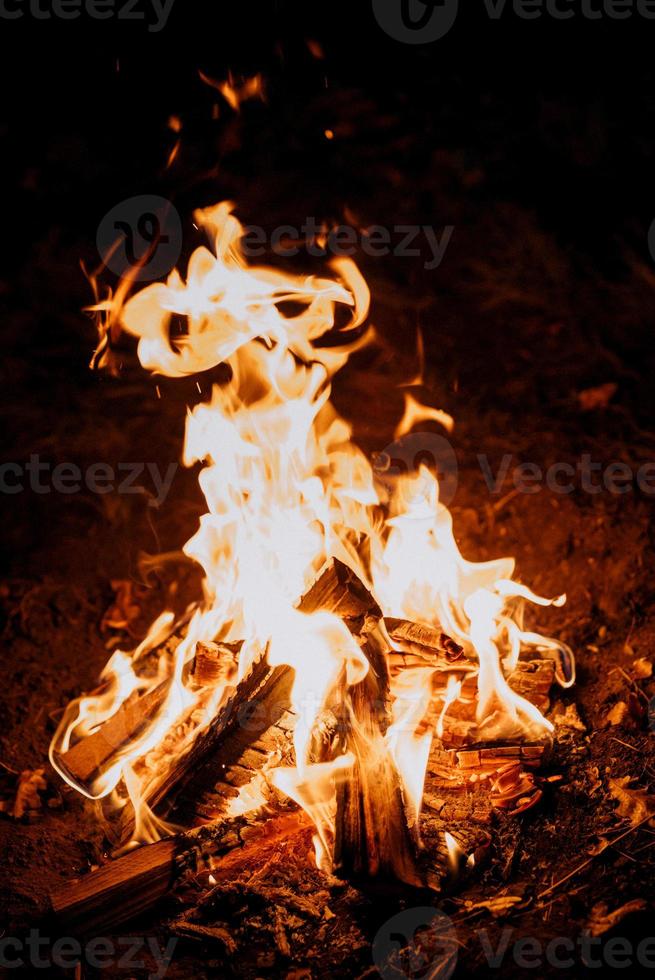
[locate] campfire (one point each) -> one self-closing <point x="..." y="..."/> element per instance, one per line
<point x="347" y="671"/>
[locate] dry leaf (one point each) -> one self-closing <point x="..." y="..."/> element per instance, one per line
<point x="497" y="906"/>
<point x="617" y="714"/>
<point x="628" y="714"/>
<point x="568" y="717"/>
<point x="634" y="804"/>
<point x="27" y="798"/>
<point x="601" y="921"/>
<point x="641" y="668"/>
<point x="598" y="397"/>
<point x="597" y="783"/>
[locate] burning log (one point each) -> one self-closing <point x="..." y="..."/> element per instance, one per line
<point x="532" y="679"/>
<point x="262" y="697"/>
<point x="258" y="699"/>
<point x="338" y="590"/>
<point x="129" y="886"/>
<point x="257" y="702"/>
<point x="373" y="835"/>
<point x="423" y="641"/>
<point x="92" y="754"/>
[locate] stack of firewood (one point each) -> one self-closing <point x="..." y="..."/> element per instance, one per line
<point x="375" y="832"/>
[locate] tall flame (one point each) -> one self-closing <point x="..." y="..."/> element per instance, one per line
<point x="286" y="489"/>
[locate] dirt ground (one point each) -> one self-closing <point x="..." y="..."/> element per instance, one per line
<point x="528" y="315"/>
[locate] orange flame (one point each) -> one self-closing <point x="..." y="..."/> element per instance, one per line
<point x="287" y="489"/>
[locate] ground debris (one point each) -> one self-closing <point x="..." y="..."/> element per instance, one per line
<point x="568" y="717"/>
<point x="591" y="399"/>
<point x="601" y="921"/>
<point x="25" y="798"/>
<point x="634" y="804"/>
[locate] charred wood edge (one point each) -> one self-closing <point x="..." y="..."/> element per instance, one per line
<point x="263" y="690"/>
<point x="134" y="883"/>
<point x="531" y="679"/>
<point x="336" y="588"/>
<point x="84" y="760"/>
<point x="423" y="641"/>
<point x="259" y="700"/>
<point x="374" y="836"/>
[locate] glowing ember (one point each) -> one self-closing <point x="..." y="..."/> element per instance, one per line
<point x="287" y="490"/>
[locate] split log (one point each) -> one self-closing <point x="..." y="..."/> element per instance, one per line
<point x="91" y="755"/>
<point x="254" y="704"/>
<point x="374" y="835"/>
<point x="336" y="589"/>
<point x="214" y="663"/>
<point x="129" y="886"/>
<point x="422" y="640"/>
<point x="258" y="701"/>
<point x="119" y="890"/>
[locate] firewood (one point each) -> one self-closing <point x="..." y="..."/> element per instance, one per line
<point x="118" y="891"/>
<point x="337" y="589"/>
<point x="132" y="884"/>
<point x="490" y="758"/>
<point x="259" y="701"/>
<point x="372" y="832"/>
<point x="214" y="663"/>
<point x="460" y="809"/>
<point x="90" y="755"/>
<point x="532" y="679"/>
<point x="422" y="640"/>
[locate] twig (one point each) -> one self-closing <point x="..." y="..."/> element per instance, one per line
<point x="626" y="744"/>
<point x="498" y="506"/>
<point x="589" y="860"/>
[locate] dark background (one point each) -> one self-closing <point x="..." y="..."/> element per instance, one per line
<point x="532" y="137"/>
